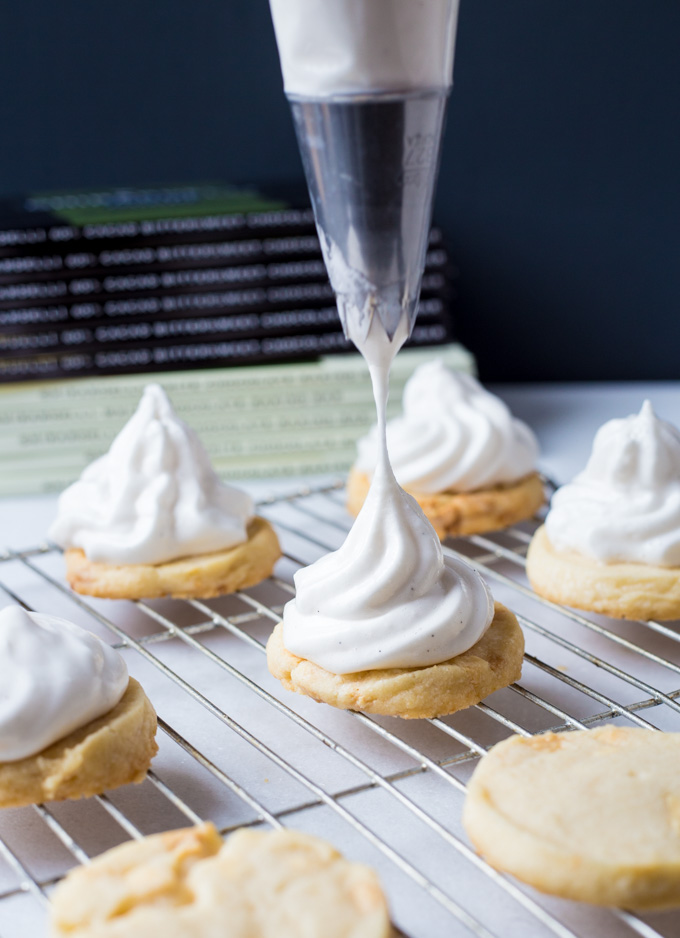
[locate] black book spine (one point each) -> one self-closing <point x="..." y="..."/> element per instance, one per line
<point x="160" y="281"/>
<point x="156" y="358"/>
<point x="184" y="292"/>
<point x="258" y="323"/>
<point x="129" y="260"/>
<point x="63" y="238"/>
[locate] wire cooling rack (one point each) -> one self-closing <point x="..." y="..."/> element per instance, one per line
<point x="237" y="749"/>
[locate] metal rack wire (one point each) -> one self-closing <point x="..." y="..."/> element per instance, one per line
<point x="238" y="749"/>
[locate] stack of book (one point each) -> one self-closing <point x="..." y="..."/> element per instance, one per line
<point x="188" y="285"/>
<point x="132" y="281"/>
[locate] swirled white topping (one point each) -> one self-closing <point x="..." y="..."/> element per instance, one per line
<point x="153" y="497"/>
<point x="453" y="436"/>
<point x="625" y="505"/>
<point x="332" y="47"/>
<point x="388" y="598"/>
<point x="54" y="678"/>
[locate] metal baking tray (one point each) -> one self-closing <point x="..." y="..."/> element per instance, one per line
<point x="237" y="749"/>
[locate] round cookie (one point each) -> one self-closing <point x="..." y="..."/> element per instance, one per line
<point x="199" y="577"/>
<point x="413" y="693"/>
<point x="620" y="590"/>
<point x="115" y="749"/>
<point x="452" y="514"/>
<point x="590" y="815"/>
<point x="190" y="884"/>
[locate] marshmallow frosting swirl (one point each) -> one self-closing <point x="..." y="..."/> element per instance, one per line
<point x="453" y="436"/>
<point x="625" y="505"/>
<point x="54" y="678"/>
<point x="388" y="598"/>
<point x="153" y="497"/>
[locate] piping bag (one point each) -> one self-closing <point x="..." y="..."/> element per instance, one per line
<point x="368" y="82"/>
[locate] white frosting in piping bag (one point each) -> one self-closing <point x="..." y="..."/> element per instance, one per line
<point x="625" y="505"/>
<point x="453" y="436"/>
<point x="330" y="47"/>
<point x="153" y="497"/>
<point x="388" y="598"/>
<point x="54" y="678"/>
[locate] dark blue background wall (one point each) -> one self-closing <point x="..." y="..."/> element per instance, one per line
<point x="560" y="184"/>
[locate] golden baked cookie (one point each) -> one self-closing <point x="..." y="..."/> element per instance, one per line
<point x="191" y="884"/>
<point x="199" y="577"/>
<point x="620" y="590"/>
<point x="413" y="693"/>
<point x="452" y="514"/>
<point x="590" y="815"/>
<point x="115" y="749"/>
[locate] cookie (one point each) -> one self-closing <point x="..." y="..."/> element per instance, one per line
<point x="453" y="514"/>
<point x="413" y="693"/>
<point x="190" y="884"/>
<point x="115" y="749"/>
<point x="590" y="815"/>
<point x="620" y="590"/>
<point x="199" y="577"/>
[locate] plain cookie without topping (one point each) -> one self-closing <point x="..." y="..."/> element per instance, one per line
<point x="115" y="749"/>
<point x="201" y="577"/>
<point x="412" y="693"/>
<point x="454" y="514"/>
<point x="190" y="884"/>
<point x="589" y="815"/>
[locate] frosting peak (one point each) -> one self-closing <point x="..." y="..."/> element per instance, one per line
<point x="54" y="678"/>
<point x="453" y="436"/>
<point x="638" y="452"/>
<point x="625" y="505"/>
<point x="153" y="497"/>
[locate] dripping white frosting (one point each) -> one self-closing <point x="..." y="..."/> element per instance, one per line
<point x="453" y="436"/>
<point x="388" y="598"/>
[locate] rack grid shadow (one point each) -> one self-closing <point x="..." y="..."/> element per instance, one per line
<point x="238" y="749"/>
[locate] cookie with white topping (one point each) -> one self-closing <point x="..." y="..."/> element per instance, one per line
<point x="470" y="464"/>
<point x="611" y="540"/>
<point x="72" y="723"/>
<point x="493" y="662"/>
<point x="151" y="518"/>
